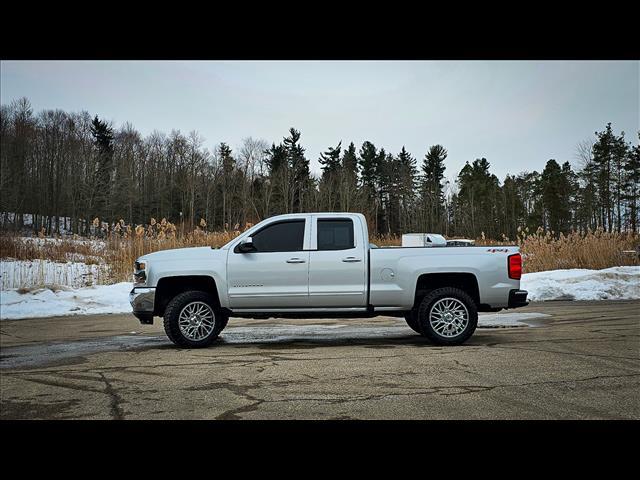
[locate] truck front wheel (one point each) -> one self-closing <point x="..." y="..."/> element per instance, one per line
<point x="448" y="316"/>
<point x="192" y="320"/>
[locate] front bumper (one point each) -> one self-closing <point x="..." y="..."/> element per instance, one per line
<point x="142" y="301"/>
<point x="518" y="298"/>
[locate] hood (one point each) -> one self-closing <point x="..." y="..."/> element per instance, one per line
<point x="192" y="253"/>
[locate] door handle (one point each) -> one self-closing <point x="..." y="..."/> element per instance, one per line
<point x="351" y="259"/>
<point x="296" y="260"/>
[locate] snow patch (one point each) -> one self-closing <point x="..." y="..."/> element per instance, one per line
<point x="616" y="283"/>
<point x="44" y="302"/>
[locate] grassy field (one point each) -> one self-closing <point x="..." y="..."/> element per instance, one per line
<point x="116" y="250"/>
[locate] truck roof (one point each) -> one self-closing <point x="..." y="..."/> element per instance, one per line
<point x="318" y="214"/>
<point x="313" y="213"/>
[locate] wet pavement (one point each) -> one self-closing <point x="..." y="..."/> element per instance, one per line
<point x="551" y="360"/>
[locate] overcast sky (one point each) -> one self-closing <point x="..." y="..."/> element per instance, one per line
<point x="517" y="114"/>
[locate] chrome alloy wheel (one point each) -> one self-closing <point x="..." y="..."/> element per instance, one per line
<point x="448" y="317"/>
<point x="196" y="321"/>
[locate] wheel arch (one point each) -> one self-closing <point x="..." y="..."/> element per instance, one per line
<point x="170" y="286"/>
<point x="465" y="281"/>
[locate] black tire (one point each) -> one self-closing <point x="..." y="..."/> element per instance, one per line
<point x="428" y="302"/>
<point x="172" y="314"/>
<point x="413" y="321"/>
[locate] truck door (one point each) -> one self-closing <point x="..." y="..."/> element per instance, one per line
<point x="337" y="264"/>
<point x="276" y="274"/>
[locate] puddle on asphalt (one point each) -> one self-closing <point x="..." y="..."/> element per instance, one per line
<point x="53" y="353"/>
<point x="267" y="337"/>
<point x="512" y="319"/>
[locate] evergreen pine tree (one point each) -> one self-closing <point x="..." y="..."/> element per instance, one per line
<point x="278" y="174"/>
<point x="367" y="162"/>
<point x="609" y="153"/>
<point x="330" y="180"/>
<point x="102" y="135"/>
<point x="431" y="188"/>
<point x="330" y="160"/>
<point x="228" y="164"/>
<point x="632" y="184"/>
<point x="514" y="210"/>
<point x="555" y="198"/>
<point x="406" y="172"/>
<point x="478" y="203"/>
<point x="300" y="195"/>
<point x="570" y="192"/>
<point x="349" y="179"/>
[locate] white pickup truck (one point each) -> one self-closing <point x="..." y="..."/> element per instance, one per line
<point x="313" y="265"/>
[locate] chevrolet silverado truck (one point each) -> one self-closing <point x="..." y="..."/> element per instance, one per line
<point x="312" y="265"/>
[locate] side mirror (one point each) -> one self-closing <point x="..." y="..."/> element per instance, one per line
<point x="246" y="246"/>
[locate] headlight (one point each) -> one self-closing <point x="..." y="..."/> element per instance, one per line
<point x="139" y="273"/>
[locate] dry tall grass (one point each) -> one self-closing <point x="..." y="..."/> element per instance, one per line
<point x="122" y="251"/>
<point x="542" y="250"/>
<point x="120" y="245"/>
<point x="386" y="240"/>
<point x="595" y="250"/>
<point x="117" y="248"/>
<point x="60" y="250"/>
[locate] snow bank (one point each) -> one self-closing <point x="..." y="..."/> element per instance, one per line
<point x="45" y="302"/>
<point x="616" y="283"/>
<point x="37" y="273"/>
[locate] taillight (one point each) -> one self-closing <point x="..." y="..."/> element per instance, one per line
<point x="514" y="263"/>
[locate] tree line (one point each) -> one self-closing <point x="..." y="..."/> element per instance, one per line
<point x="56" y="164"/>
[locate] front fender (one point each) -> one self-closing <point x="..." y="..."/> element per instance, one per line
<point x="201" y="262"/>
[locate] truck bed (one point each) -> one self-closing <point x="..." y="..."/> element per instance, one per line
<point x="394" y="271"/>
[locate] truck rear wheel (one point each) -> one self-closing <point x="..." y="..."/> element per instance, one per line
<point x="192" y="320"/>
<point x="413" y="321"/>
<point x="448" y="316"/>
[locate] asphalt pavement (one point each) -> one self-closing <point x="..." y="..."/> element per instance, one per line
<point x="581" y="361"/>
